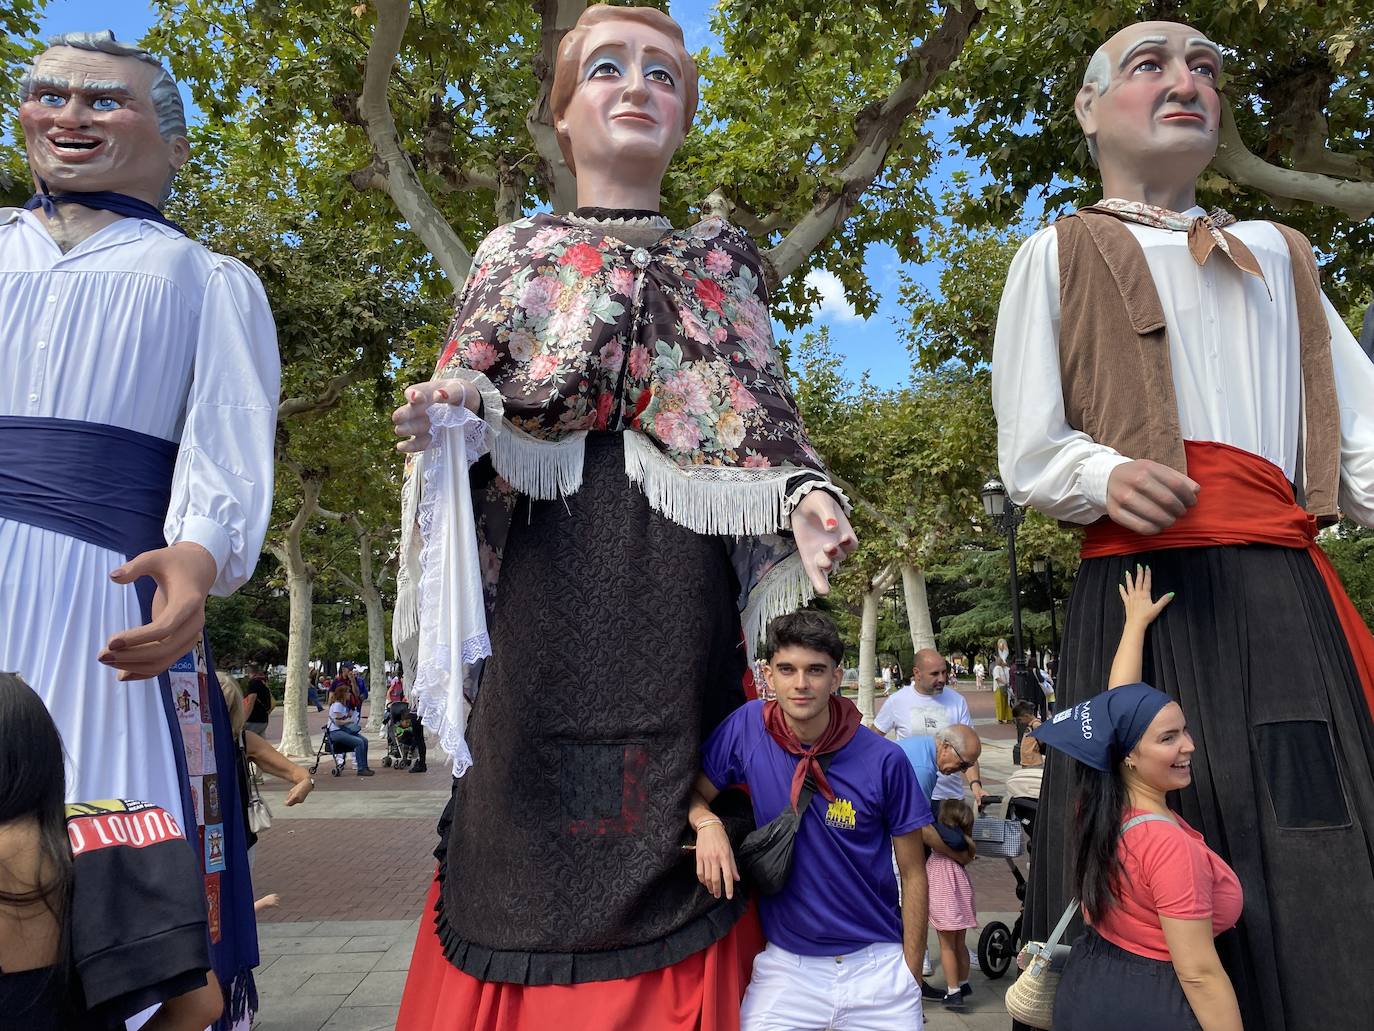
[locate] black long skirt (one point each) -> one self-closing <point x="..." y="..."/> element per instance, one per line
<point x="1283" y="776"/>
<point x="615" y="646"/>
<point x="1104" y="986"/>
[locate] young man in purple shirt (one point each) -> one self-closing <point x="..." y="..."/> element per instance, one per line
<point x="840" y="951"/>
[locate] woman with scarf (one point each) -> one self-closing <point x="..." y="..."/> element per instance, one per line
<point x="1153" y="894"/>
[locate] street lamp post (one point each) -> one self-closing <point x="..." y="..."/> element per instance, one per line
<point x="1045" y="567"/>
<point x="1006" y="515"/>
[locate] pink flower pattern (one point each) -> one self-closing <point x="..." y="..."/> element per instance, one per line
<point x="548" y="318"/>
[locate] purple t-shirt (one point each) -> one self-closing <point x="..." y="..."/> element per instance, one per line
<point x="842" y="893"/>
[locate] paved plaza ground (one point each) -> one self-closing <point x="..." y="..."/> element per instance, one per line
<point x="353" y="862"/>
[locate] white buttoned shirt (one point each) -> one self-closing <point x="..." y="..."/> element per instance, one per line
<point x="1236" y="372"/>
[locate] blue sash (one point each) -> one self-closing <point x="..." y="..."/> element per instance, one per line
<point x="110" y="487"/>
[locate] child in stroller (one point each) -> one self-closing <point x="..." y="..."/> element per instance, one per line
<point x="405" y="738"/>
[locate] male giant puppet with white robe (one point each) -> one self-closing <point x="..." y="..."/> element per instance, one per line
<point x="1178" y="382"/>
<point x="138" y="384"/>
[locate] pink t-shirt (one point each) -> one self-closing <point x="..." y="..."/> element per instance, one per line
<point x="1168" y="871"/>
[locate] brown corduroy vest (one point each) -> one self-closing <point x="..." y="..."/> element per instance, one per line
<point x="1114" y="355"/>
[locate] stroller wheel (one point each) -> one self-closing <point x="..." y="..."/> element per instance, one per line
<point x="386" y="761"/>
<point x="336" y="770"/>
<point x="996" y="950"/>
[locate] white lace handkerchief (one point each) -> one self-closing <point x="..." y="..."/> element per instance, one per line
<point x="453" y="623"/>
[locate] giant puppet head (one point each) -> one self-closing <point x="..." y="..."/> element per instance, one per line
<point x="1149" y="100"/>
<point x="624" y="93"/>
<point x="100" y="115"/>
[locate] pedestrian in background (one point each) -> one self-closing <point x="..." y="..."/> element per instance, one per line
<point x="258" y="694"/>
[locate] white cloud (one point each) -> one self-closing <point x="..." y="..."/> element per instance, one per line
<point x="834" y="305"/>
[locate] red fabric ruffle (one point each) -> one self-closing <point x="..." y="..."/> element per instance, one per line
<point x="699" y="993"/>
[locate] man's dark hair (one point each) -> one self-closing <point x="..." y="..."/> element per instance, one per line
<point x="1023" y="709"/>
<point x="804" y="629"/>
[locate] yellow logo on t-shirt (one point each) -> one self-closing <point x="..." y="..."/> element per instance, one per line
<point x="840" y="814"/>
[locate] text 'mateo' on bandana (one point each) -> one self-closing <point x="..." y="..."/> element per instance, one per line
<point x="1099" y="731"/>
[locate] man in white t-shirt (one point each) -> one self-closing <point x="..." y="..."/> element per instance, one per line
<point x="923" y="708"/>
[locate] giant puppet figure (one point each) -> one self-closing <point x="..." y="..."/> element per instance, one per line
<point x="138" y="387"/>
<point x="650" y="500"/>
<point x="1176" y="381"/>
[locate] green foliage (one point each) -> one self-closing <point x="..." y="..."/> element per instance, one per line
<point x="18" y="41"/>
<point x="1351" y="550"/>
<point x="249" y="625"/>
<point x="956" y="321"/>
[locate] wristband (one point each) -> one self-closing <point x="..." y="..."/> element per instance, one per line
<point x="976" y="781"/>
<point x="713" y="822"/>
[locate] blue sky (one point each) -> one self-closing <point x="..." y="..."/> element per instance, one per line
<point x="871" y="344"/>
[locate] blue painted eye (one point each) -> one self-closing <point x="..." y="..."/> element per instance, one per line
<point x="1147" y="66"/>
<point x="51" y="99"/>
<point x="106" y="104"/>
<point x="660" y="75"/>
<point x="604" y="69"/>
<point x="1206" y="69"/>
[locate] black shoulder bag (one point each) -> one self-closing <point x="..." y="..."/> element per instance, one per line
<point x="765" y="855"/>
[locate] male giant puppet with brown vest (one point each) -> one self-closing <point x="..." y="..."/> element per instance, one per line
<point x="1177" y="382"/>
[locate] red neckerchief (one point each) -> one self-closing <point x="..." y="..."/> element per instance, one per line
<point x="845" y="720"/>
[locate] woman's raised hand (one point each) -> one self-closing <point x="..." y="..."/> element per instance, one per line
<point x="1141" y="608"/>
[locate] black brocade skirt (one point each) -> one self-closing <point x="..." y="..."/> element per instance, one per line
<point x="615" y="647"/>
<point x="1283" y="776"/>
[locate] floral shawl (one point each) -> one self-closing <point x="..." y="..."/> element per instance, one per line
<point x="565" y="328"/>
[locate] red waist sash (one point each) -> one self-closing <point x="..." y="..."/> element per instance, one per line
<point x="1244" y="499"/>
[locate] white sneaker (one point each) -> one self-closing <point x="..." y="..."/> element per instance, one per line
<point x="927" y="968"/>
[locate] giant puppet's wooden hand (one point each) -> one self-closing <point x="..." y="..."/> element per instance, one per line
<point x="184" y="574"/>
<point x="411" y="420"/>
<point x="823" y="535"/>
<point x="1148" y="497"/>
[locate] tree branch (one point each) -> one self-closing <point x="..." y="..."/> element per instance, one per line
<point x="327" y="398"/>
<point x="557" y="17"/>
<point x="721" y="206"/>
<point x="402" y="183"/>
<point x="876" y="127"/>
<point x="1235" y="161"/>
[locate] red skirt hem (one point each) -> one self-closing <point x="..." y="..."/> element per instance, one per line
<point x="699" y="993"/>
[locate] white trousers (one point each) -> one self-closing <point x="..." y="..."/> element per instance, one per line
<point x="868" y="990"/>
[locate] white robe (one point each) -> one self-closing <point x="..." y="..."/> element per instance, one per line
<point x="141" y="328"/>
<point x="1235" y="366"/>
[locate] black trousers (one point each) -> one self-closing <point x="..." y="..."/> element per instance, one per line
<point x="1283" y="776"/>
<point x="1104" y="986"/>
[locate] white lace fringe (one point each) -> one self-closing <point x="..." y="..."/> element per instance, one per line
<point x="709" y="499"/>
<point x="542" y="469"/>
<point x="784" y="588"/>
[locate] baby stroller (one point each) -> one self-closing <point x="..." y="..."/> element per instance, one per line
<point x="999" y="944"/>
<point x="400" y="736"/>
<point x="339" y="750"/>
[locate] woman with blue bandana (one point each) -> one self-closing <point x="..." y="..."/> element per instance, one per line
<point x="1154" y="896"/>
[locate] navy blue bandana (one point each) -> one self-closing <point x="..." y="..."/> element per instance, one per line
<point x="1100" y="731"/>
<point x="102" y="200"/>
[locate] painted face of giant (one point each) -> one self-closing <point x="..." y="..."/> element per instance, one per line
<point x="89" y="124"/>
<point x="1160" y="100"/>
<point x="628" y="108"/>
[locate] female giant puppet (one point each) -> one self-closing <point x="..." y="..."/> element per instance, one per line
<point x="646" y="464"/>
<point x="1177" y="381"/>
